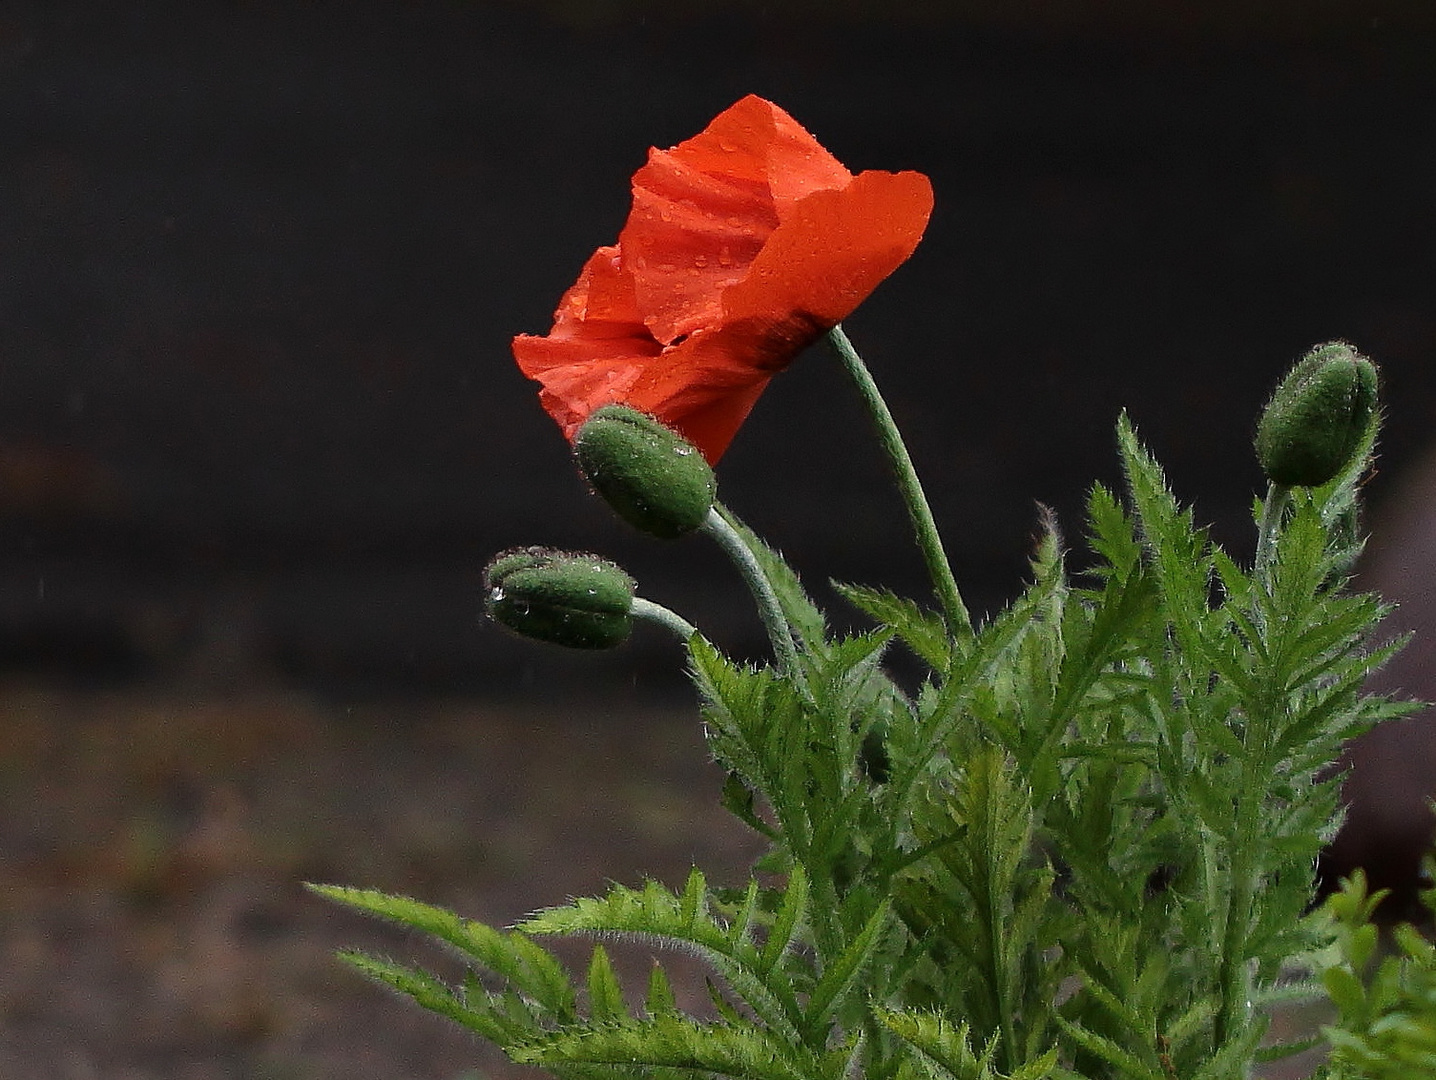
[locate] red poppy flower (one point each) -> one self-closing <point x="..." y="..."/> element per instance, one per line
<point x="743" y="246"/>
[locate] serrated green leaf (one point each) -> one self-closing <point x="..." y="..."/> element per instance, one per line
<point x="605" y="996"/>
<point x="1278" y="1051"/>
<point x="672" y="1042"/>
<point x="1127" y="1064"/>
<point x="659" y="1000"/>
<point x="1112" y="533"/>
<point x="941" y="1042"/>
<point x="511" y="956"/>
<point x="433" y="995"/>
<point x="656" y="915"/>
<point x="1346" y="991"/>
<point x="1038" y="1069"/>
<point x="838" y="980"/>
<point x="1234" y="1057"/>
<point x="787" y="922"/>
<point x="924" y="632"/>
<point x="1197" y="1018"/>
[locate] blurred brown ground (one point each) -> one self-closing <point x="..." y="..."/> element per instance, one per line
<point x="153" y="846"/>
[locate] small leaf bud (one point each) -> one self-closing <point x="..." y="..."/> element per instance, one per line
<point x="565" y="598"/>
<point x="654" y="479"/>
<point x="1317" y="417"/>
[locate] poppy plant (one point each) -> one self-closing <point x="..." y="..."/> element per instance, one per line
<point x="744" y="244"/>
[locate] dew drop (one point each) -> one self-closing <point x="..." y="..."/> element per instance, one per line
<point x="683" y="451"/>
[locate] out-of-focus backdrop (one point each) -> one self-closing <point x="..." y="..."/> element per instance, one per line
<point x="260" y="263"/>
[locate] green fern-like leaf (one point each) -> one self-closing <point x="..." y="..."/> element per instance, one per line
<point x="672" y="1042"/>
<point x="945" y="1049"/>
<point x="511" y="956"/>
<point x="605" y="996"/>
<point x="432" y="994"/>
<point x="684" y="921"/>
<point x="839" y="981"/>
<point x="924" y="632"/>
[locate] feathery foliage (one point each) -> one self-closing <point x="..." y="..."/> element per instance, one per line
<point x="1083" y="847"/>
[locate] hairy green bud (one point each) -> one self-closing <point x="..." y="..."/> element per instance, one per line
<point x="654" y="479"/>
<point x="1315" y="421"/>
<point x="563" y="597"/>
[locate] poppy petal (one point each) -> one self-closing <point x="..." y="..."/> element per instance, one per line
<point x="779" y="150"/>
<point x="703" y="210"/>
<point x="744" y="244"/>
<point x="597" y="347"/>
<point x="835" y="248"/>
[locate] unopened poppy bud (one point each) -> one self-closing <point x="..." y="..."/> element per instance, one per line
<point x="654" y="479"/>
<point x="566" y="598"/>
<point x="1315" y="421"/>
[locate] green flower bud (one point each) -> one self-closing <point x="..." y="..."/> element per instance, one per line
<point x="566" y="598"/>
<point x="1315" y="421"/>
<point x="654" y="479"/>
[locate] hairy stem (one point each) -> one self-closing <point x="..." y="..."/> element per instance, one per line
<point x="1278" y="497"/>
<point x="924" y="526"/>
<point x="771" y="611"/>
<point x="662" y="616"/>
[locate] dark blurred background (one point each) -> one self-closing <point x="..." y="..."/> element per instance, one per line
<point x="260" y="263"/>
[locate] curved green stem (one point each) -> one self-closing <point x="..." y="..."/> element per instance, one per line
<point x="924" y="526"/>
<point x="1278" y="497"/>
<point x="662" y="616"/>
<point x="771" y="611"/>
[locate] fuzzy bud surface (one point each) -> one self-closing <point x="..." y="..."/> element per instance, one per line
<point x="651" y="476"/>
<point x="565" y="598"/>
<point x="1315" y="421"/>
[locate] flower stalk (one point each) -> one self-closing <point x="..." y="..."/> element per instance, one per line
<point x="780" y="634"/>
<point x="929" y="540"/>
<point x="659" y="615"/>
<point x="1278" y="498"/>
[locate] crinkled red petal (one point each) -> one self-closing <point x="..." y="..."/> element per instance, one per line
<point x="744" y="244"/>
<point x="703" y="210"/>
<point x="834" y="249"/>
